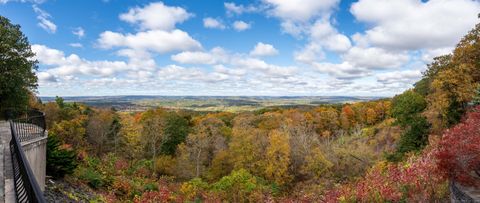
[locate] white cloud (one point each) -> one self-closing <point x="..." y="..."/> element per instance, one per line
<point x="375" y="58"/>
<point x="213" y="23"/>
<point x="262" y="66"/>
<point x="73" y="64"/>
<point x="153" y="40"/>
<point x="262" y="49"/>
<point x="156" y="15"/>
<point x="79" y="32"/>
<point x="216" y="55"/>
<point x="429" y="54"/>
<point x="44" y="20"/>
<point x="76" y="45"/>
<point x="297" y="14"/>
<point x="310" y="53"/>
<point x="241" y="25"/>
<point x="406" y="77"/>
<point x="343" y="70"/>
<point x="300" y="10"/>
<point x="232" y="8"/>
<point x="23" y="1"/>
<point x="414" y="24"/>
<point x="326" y="36"/>
<point x="44" y="77"/>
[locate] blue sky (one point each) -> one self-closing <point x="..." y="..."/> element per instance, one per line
<point x="262" y="47"/>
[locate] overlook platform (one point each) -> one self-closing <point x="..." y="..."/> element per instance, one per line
<point x="33" y="142"/>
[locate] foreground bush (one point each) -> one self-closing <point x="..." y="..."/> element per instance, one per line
<point x="459" y="150"/>
<point x="414" y="180"/>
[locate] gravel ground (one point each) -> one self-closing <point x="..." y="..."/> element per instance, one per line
<point x="63" y="190"/>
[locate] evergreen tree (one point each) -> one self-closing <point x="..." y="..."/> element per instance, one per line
<point x="59" y="161"/>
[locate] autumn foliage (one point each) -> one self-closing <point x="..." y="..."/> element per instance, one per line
<point x="459" y="150"/>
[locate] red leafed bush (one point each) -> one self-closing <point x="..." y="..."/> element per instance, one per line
<point x="163" y="195"/>
<point x="459" y="150"/>
<point x="413" y="181"/>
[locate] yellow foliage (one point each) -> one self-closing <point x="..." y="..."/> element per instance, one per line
<point x="278" y="158"/>
<point x="165" y="165"/>
<point x="317" y="163"/>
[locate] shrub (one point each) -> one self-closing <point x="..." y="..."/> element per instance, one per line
<point x="59" y="161"/>
<point x="458" y="151"/>
<point x="92" y="177"/>
<point x="193" y="188"/>
<point x="240" y="186"/>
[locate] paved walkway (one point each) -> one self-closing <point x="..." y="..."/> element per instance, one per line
<point x="7" y="191"/>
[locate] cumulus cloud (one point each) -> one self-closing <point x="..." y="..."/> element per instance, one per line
<point x="159" y="41"/>
<point x="310" y="53"/>
<point x="44" y="20"/>
<point x="232" y="8"/>
<point x="76" y="45"/>
<point x="343" y="70"/>
<point x="74" y="65"/>
<point x="241" y="25"/>
<point x="23" y="1"/>
<point x="79" y="32"/>
<point x="406" y="77"/>
<point x="296" y="14"/>
<point x="156" y="15"/>
<point x="415" y="24"/>
<point x="269" y="70"/>
<point x="213" y="23"/>
<point x="262" y="49"/>
<point x="216" y="55"/>
<point x="375" y="58"/>
<point x="44" y="77"/>
<point x="322" y="36"/>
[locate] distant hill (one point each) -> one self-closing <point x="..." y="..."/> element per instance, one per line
<point x="207" y="103"/>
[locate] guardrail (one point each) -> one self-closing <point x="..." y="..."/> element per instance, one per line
<point x="458" y="194"/>
<point x="30" y="126"/>
<point x="24" y="129"/>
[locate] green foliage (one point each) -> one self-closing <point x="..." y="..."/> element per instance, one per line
<point x="150" y="187"/>
<point x="406" y="109"/>
<point x="239" y="186"/>
<point x="60" y="102"/>
<point x="59" y="161"/>
<point x="455" y="112"/>
<point x="406" y="106"/>
<point x="175" y="132"/>
<point x="422" y="87"/>
<point x="17" y="67"/>
<point x="91" y="176"/>
<point x="476" y="98"/>
<point x="414" y="139"/>
<point x="193" y="188"/>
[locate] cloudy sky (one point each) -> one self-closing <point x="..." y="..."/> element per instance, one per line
<point x="260" y="47"/>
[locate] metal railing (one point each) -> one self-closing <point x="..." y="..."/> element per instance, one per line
<point x="458" y="194"/>
<point x="25" y="183"/>
<point x="30" y="126"/>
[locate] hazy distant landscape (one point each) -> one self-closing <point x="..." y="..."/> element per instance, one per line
<point x="207" y="103"/>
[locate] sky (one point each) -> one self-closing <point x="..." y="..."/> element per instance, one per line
<point x="237" y="48"/>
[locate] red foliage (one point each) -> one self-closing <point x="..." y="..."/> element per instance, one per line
<point x="121" y="164"/>
<point x="414" y="181"/>
<point x="163" y="195"/>
<point x="459" y="150"/>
